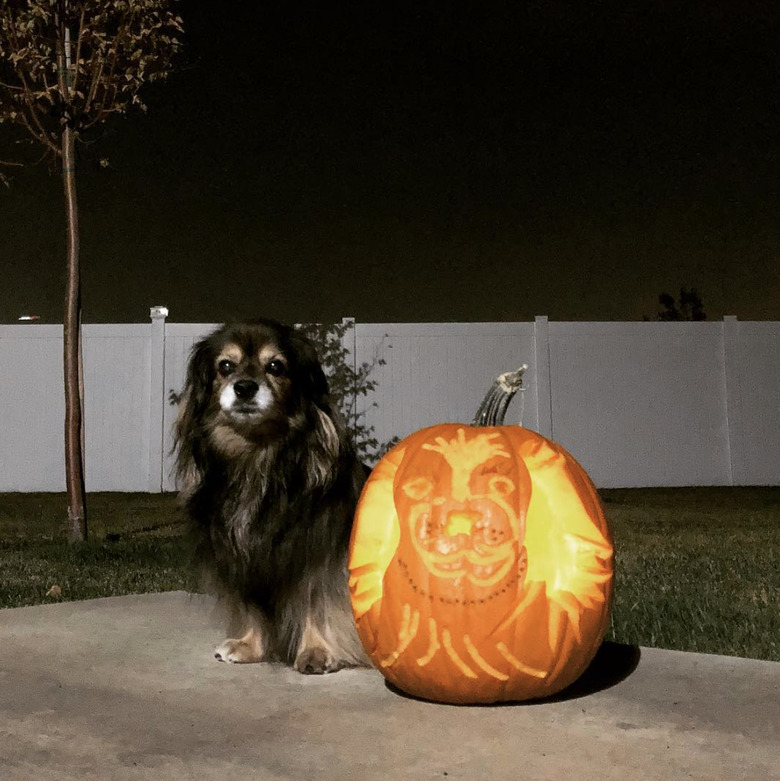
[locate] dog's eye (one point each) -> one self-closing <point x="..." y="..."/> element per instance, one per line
<point x="276" y="368"/>
<point x="226" y="367"/>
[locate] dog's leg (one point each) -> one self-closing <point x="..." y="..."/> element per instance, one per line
<point x="327" y="639"/>
<point x="315" y="653"/>
<point x="242" y="650"/>
<point x="251" y="647"/>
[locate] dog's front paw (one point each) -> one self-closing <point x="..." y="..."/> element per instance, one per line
<point x="241" y="651"/>
<point x="315" y="661"/>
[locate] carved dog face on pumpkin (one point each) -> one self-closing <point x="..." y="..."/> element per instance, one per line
<point x="464" y="510"/>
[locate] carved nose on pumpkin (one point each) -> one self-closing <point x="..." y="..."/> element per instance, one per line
<point x="460" y="522"/>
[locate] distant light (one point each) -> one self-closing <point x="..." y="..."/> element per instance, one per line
<point x="29" y="318"/>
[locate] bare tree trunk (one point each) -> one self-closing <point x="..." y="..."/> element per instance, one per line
<point x="74" y="456"/>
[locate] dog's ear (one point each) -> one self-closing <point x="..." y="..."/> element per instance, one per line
<point x="325" y="445"/>
<point x="329" y="443"/>
<point x="188" y="431"/>
<point x="314" y="383"/>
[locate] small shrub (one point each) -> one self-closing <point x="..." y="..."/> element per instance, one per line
<point x="348" y="381"/>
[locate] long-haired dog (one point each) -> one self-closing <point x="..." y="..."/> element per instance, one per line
<point x="270" y="482"/>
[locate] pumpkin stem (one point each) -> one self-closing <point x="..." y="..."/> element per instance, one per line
<point x="493" y="408"/>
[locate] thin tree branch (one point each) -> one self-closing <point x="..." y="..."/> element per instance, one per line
<point x="41" y="135"/>
<point x="26" y="91"/>
<point x="110" y="79"/>
<point x="97" y="74"/>
<point x="62" y="83"/>
<point x="77" y="61"/>
<point x="47" y="86"/>
<point x="12" y="87"/>
<point x="101" y="116"/>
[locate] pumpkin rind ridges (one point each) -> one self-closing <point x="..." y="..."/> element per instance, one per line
<point x="480" y="565"/>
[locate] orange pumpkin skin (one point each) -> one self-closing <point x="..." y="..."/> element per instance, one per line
<point x="480" y="565"/>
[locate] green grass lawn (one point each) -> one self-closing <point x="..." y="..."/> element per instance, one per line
<point x="136" y="546"/>
<point x="697" y="569"/>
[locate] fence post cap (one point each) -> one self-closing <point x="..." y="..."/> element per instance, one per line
<point x="158" y="312"/>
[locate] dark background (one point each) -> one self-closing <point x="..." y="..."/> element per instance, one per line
<point x="412" y="162"/>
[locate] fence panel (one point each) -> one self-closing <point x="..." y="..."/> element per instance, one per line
<point x="116" y="408"/>
<point x="33" y="409"/>
<point x="439" y="372"/>
<point x="757" y="406"/>
<point x="641" y="404"/>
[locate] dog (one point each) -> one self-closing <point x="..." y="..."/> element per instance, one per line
<point x="270" y="480"/>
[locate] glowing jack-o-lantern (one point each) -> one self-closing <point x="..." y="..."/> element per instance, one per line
<point x="480" y="565"/>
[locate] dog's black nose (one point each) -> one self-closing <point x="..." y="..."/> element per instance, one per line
<point x="245" y="389"/>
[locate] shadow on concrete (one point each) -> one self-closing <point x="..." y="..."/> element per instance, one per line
<point x="613" y="663"/>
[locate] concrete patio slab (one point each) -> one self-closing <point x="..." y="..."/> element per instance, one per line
<point x="127" y="688"/>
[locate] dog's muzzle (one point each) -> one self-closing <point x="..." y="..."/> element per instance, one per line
<point x="245" y="389"/>
<point x="245" y="397"/>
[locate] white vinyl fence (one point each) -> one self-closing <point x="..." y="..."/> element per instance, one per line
<point x="638" y="404"/>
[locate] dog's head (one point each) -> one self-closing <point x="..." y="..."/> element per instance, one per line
<point x="250" y="387"/>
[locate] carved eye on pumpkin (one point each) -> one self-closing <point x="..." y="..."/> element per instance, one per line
<point x="418" y="488"/>
<point x="501" y="485"/>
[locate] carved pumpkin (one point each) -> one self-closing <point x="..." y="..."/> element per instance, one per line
<point x="480" y="565"/>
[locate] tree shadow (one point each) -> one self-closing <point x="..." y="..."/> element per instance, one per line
<point x="613" y="663"/>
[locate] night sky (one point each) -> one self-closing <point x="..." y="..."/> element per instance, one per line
<point x="417" y="162"/>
